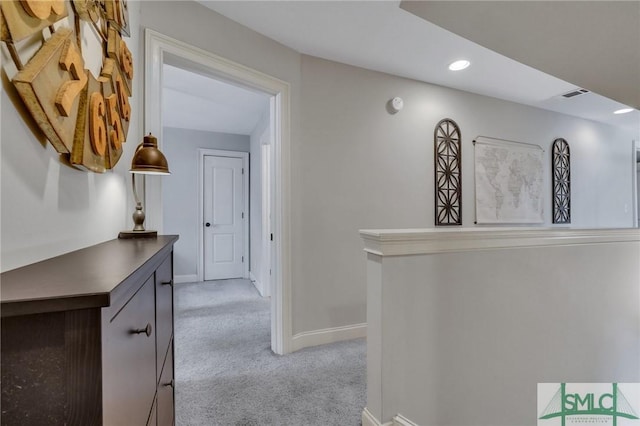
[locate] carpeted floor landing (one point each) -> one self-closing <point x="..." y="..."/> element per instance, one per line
<point x="226" y="373"/>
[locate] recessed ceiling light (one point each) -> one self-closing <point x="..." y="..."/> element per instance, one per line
<point x="459" y="65"/>
<point x="623" y="111"/>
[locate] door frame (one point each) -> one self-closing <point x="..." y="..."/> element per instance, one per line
<point x="265" y="210"/>
<point x="244" y="156"/>
<point x="635" y="145"/>
<point x="159" y="47"/>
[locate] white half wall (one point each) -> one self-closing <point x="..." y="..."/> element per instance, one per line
<point x="463" y="323"/>
<point x="180" y="190"/>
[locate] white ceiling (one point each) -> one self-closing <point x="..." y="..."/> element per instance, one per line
<point x="595" y="44"/>
<point x="381" y="36"/>
<point x="194" y="101"/>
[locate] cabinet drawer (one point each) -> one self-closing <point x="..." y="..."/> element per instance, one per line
<point x="164" y="310"/>
<point x="129" y="352"/>
<point x="166" y="391"/>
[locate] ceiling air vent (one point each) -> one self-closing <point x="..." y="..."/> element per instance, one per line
<point x="575" y="93"/>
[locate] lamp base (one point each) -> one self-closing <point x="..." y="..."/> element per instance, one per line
<point x="137" y="234"/>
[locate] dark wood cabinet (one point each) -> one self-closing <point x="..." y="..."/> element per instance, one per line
<point x="164" y="312"/>
<point x="129" y="353"/>
<point x="87" y="337"/>
<point x="153" y="419"/>
<point x="165" y="392"/>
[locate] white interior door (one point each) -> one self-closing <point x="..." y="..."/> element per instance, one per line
<point x="224" y="218"/>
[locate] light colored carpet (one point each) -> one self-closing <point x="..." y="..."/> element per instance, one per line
<point x="226" y="373"/>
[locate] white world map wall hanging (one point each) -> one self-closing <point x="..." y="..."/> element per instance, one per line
<point x="508" y="181"/>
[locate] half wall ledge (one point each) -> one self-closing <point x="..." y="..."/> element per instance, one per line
<point x="400" y="242"/>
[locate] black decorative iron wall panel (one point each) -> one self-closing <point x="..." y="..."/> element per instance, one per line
<point x="448" y="173"/>
<point x="561" y="170"/>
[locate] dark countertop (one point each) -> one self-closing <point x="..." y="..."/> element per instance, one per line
<point x="81" y="279"/>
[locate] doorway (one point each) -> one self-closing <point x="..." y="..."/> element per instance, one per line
<point x="225" y="214"/>
<point x="160" y="49"/>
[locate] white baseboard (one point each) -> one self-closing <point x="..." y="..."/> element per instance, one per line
<point x="369" y="419"/>
<point x="185" y="278"/>
<point x="256" y="283"/>
<point x="328" y="335"/>
<point x="400" y="420"/>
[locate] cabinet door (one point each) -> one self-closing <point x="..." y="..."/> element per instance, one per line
<point x="129" y="353"/>
<point x="166" y="392"/>
<point x="164" y="310"/>
<point x="153" y="418"/>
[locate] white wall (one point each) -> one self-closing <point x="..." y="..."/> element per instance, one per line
<point x="362" y="167"/>
<point x="258" y="135"/>
<point x="180" y="190"/>
<point x="49" y="208"/>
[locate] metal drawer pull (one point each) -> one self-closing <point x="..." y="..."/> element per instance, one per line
<point x="168" y="384"/>
<point x="167" y="283"/>
<point x="147" y="330"/>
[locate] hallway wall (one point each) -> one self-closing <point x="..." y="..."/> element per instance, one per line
<point x="364" y="168"/>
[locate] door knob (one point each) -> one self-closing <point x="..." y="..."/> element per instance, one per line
<point x="207" y="224"/>
<point x="147" y="330"/>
